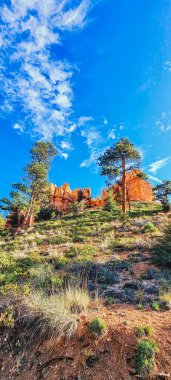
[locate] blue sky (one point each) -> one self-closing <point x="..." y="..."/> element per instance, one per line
<point x="84" y="74"/>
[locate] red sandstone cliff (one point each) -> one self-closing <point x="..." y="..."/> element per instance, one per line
<point x="62" y="196"/>
<point x="137" y="188"/>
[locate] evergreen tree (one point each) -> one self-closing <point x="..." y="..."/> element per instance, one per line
<point x="118" y="160"/>
<point x="109" y="203"/>
<point x="30" y="195"/>
<point x="162" y="193"/>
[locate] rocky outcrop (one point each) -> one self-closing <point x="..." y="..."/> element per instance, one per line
<point x="62" y="196"/>
<point x="137" y="188"/>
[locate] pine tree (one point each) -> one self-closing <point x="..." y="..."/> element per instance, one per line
<point x="162" y="193"/>
<point x="118" y="160"/>
<point x="30" y="194"/>
<point x="109" y="203"/>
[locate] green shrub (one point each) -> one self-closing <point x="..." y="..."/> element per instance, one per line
<point x="145" y="357"/>
<point x="59" y="239"/>
<point x="111" y="300"/>
<point x="149" y="228"/>
<point x="81" y="254"/>
<point x="7" y="318"/>
<point x="140" y="306"/>
<point x="109" y="203"/>
<point x="77" y="239"/>
<point x="162" y="249"/>
<point x="97" y="326"/>
<point x="155" y="305"/>
<point x="140" y="331"/>
<point x="148" y="330"/>
<point x="47" y="213"/>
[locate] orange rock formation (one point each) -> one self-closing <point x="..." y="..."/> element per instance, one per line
<point x="62" y="196"/>
<point x="138" y="189"/>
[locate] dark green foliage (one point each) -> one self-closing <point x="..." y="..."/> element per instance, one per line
<point x="111" y="160"/>
<point x="109" y="203"/>
<point x="149" y="228"/>
<point x="46" y="213"/>
<point x="97" y="326"/>
<point x="162" y="249"/>
<point x="162" y="192"/>
<point x="76" y="207"/>
<point x="118" y="160"/>
<point x="33" y="192"/>
<point x="145" y="357"/>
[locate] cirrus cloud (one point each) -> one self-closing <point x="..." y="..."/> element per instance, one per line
<point x="36" y="86"/>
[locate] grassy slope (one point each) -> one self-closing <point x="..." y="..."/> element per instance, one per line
<point x="108" y="255"/>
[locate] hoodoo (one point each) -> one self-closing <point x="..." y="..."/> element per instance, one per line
<point x="138" y="190"/>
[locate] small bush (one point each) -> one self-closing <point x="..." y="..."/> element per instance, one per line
<point x="58" y="239"/>
<point x="143" y="330"/>
<point x="139" y="332"/>
<point x="149" y="228"/>
<point x="111" y="300"/>
<point x="77" y="239"/>
<point x="7" y="318"/>
<point x="145" y="357"/>
<point x="140" y="306"/>
<point x="97" y="326"/>
<point x="166" y="297"/>
<point x="155" y="305"/>
<point x="148" y="330"/>
<point x="109" y="203"/>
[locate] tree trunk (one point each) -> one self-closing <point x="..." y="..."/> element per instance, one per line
<point x="31" y="219"/>
<point x="123" y="185"/>
<point x="28" y="212"/>
<point x="128" y="198"/>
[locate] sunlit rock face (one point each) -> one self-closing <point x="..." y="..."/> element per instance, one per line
<point x="62" y="196"/>
<point x="137" y="188"/>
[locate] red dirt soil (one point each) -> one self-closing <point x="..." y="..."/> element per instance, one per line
<point x="112" y="355"/>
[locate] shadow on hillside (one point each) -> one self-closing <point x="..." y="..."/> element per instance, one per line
<point x="141" y="213"/>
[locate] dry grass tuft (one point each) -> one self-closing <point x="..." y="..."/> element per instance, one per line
<point x="58" y="313"/>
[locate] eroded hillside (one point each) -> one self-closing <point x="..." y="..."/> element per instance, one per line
<point x="60" y="275"/>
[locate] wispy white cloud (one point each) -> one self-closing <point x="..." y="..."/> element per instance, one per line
<point x="155" y="166"/>
<point x="32" y="80"/>
<point x="105" y="121"/>
<point x="154" y="179"/>
<point x="164" y="123"/>
<point x="73" y="18"/>
<point x="112" y="134"/>
<point x="98" y="139"/>
<point x="18" y="127"/>
<point x="167" y="65"/>
<point x="66" y="145"/>
<point x="63" y="154"/>
<point x="91" y="160"/>
<point x="93" y="136"/>
<point x="83" y="120"/>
